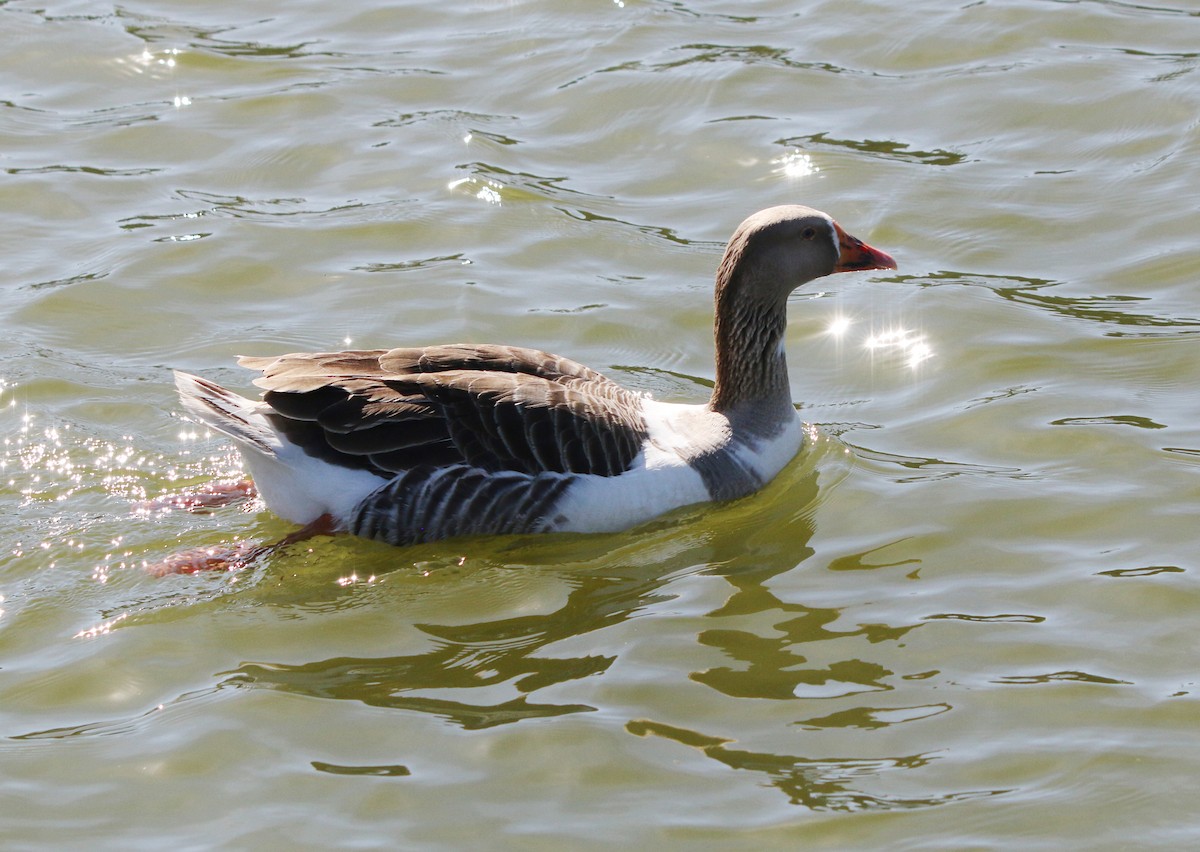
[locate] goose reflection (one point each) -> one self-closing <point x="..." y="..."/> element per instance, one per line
<point x="508" y="670"/>
<point x="514" y="657"/>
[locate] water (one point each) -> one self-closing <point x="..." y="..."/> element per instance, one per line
<point x="963" y="620"/>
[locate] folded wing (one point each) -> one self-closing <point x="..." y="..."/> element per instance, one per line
<point x="497" y="408"/>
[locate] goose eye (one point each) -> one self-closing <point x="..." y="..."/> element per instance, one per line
<point x="808" y="233"/>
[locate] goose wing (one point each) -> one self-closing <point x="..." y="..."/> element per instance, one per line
<point x="492" y="407"/>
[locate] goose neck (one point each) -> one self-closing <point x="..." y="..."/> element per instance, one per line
<point x="752" y="376"/>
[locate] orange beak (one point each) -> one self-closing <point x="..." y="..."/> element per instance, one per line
<point x="856" y="255"/>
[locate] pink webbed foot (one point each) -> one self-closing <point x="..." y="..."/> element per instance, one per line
<point x="236" y="556"/>
<point x="212" y="496"/>
<point x="220" y="558"/>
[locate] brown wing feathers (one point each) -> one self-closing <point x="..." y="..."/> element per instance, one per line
<point x="495" y="407"/>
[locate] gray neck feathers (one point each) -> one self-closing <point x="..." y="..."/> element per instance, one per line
<point x="752" y="381"/>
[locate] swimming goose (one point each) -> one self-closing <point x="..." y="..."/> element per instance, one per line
<point x="416" y="444"/>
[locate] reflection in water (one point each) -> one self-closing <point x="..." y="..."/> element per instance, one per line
<point x="775" y="672"/>
<point x="770" y="668"/>
<point x="1103" y="309"/>
<point x="1146" y="571"/>
<point x="884" y="148"/>
<point x="1111" y="420"/>
<point x="505" y="662"/>
<point x="929" y="469"/>
<point x="761" y="55"/>
<point x="519" y="651"/>
<point x="457" y="258"/>
<point x="383" y="771"/>
<point x="657" y="231"/>
<point x="871" y="718"/>
<point x="1070" y="676"/>
<point x="820" y="784"/>
<point x="1001" y="618"/>
<point x="201" y="40"/>
<point x="863" y="562"/>
<point x="525" y="184"/>
<point x="388" y="682"/>
<point x="488" y="654"/>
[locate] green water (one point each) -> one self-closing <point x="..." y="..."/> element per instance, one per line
<point x="963" y="620"/>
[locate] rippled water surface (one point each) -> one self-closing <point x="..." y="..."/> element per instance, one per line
<point x="964" y="618"/>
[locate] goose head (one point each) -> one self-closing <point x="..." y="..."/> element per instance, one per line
<point x="771" y="254"/>
<point x="781" y="248"/>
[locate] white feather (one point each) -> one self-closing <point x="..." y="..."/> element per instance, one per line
<point x="660" y="478"/>
<point x="297" y="486"/>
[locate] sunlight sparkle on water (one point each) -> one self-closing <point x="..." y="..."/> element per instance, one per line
<point x="151" y="61"/>
<point x="166" y="58"/>
<point x="838" y="326"/>
<point x="102" y="628"/>
<point x="910" y="345"/>
<point x="484" y="190"/>
<point x="906" y="345"/>
<point x="156" y="64"/>
<point x="354" y="579"/>
<point x="795" y="164"/>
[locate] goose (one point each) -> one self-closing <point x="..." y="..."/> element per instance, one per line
<point x="417" y="444"/>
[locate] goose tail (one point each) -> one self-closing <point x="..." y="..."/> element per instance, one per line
<point x="227" y="412"/>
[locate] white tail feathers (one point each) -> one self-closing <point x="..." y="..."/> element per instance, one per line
<point x="227" y="412"/>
